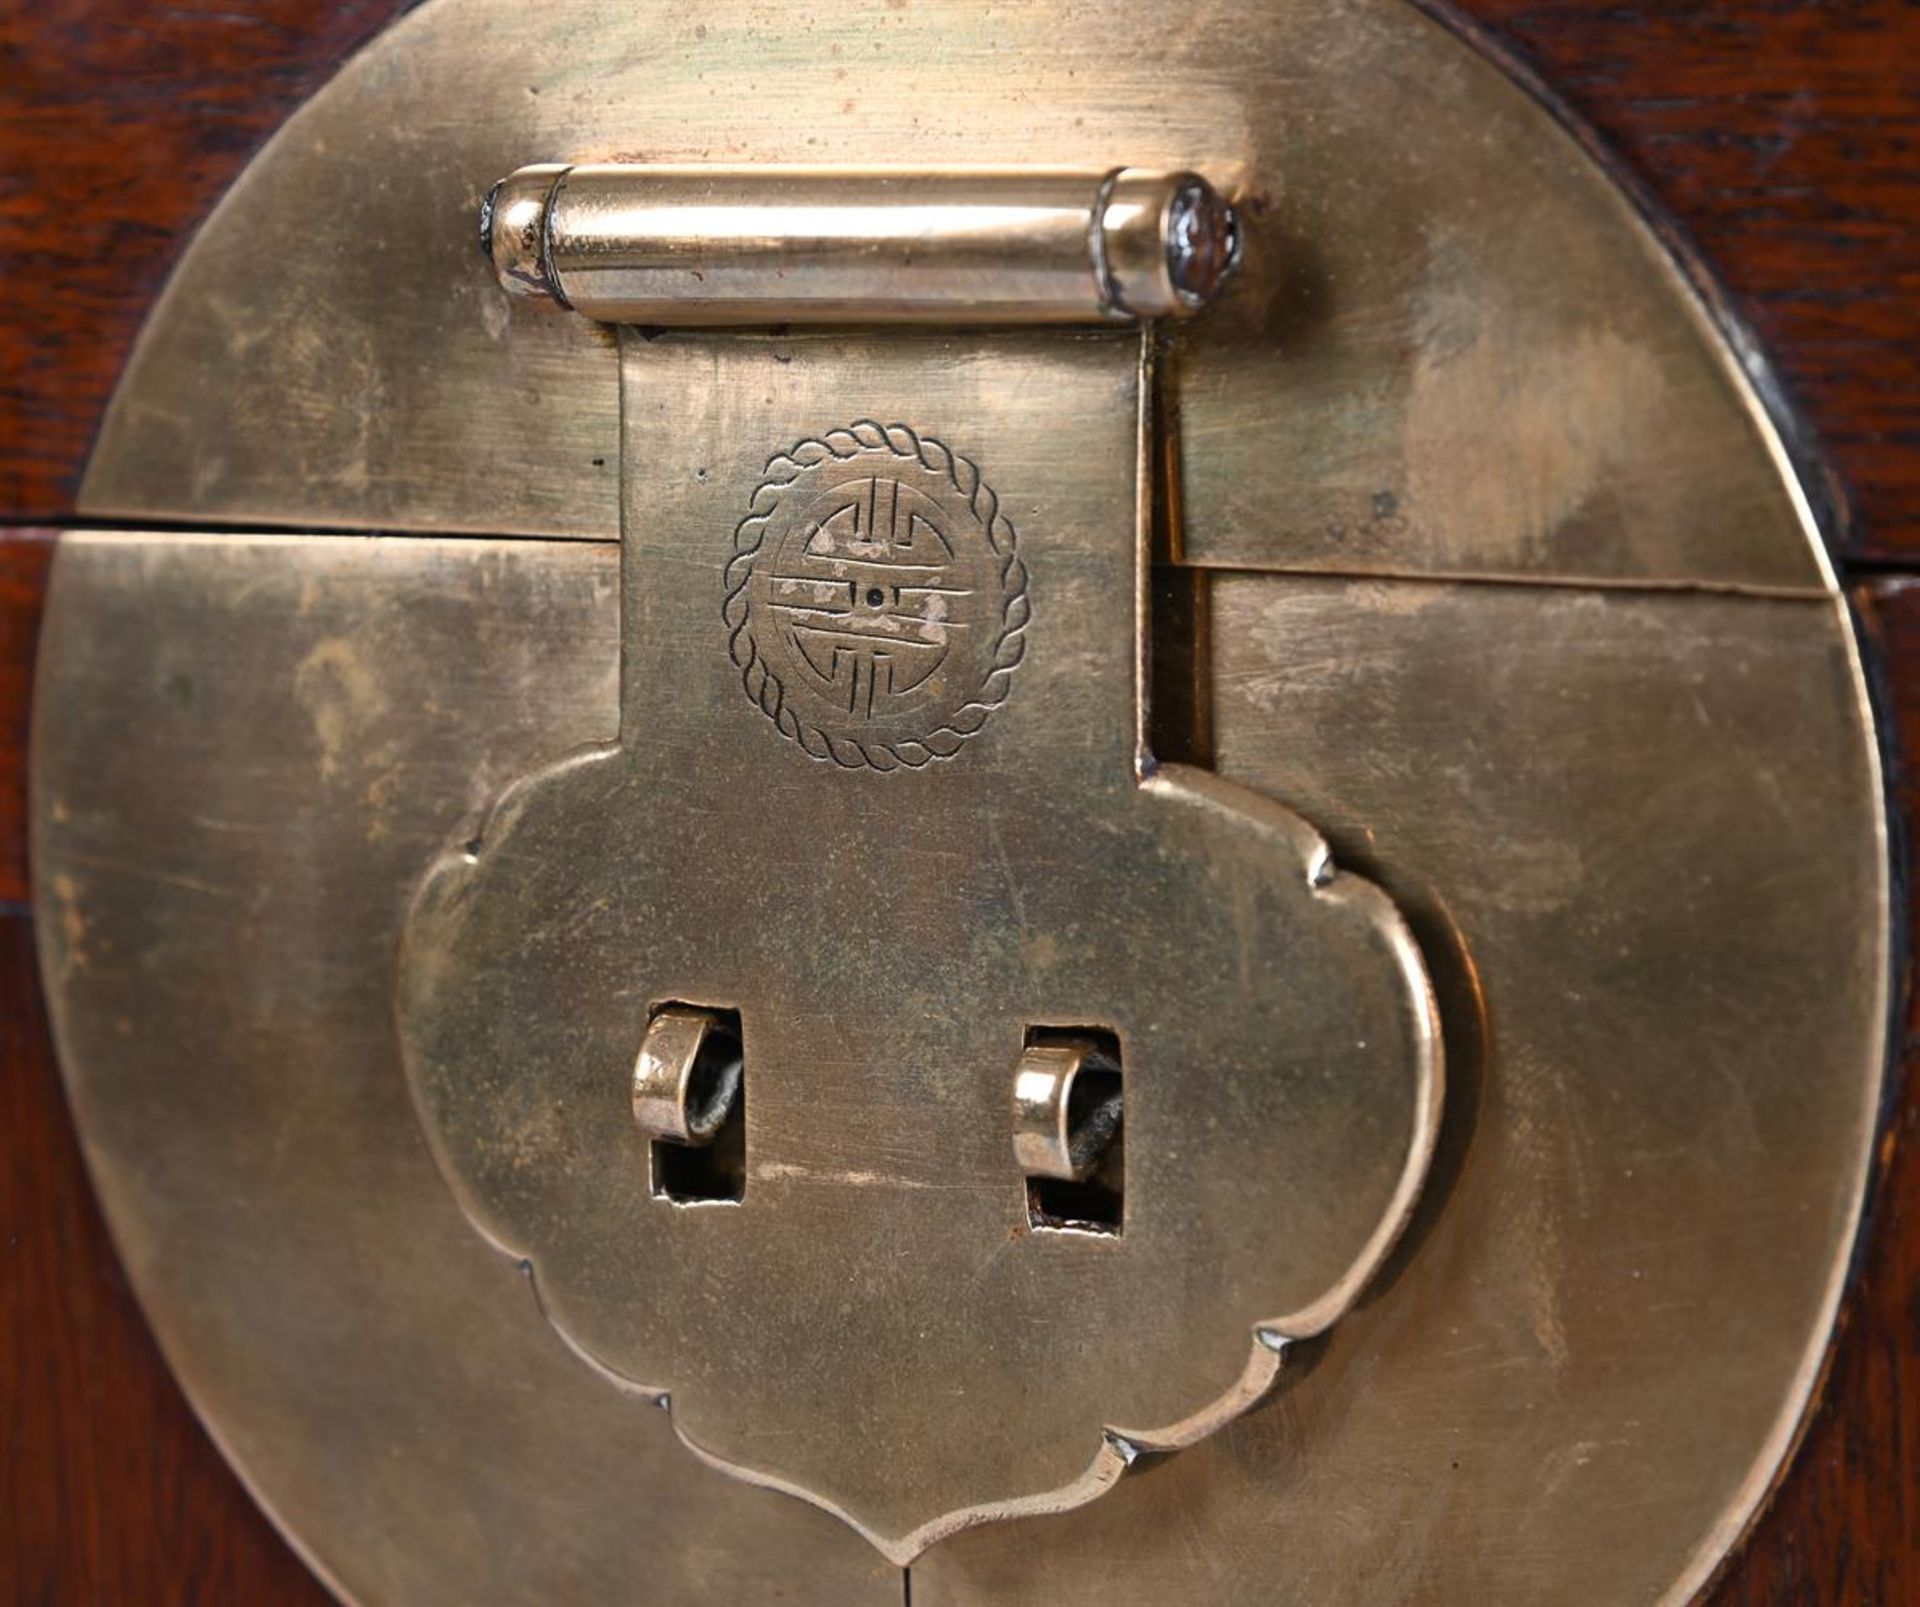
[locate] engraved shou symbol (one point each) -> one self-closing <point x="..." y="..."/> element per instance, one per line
<point x="865" y="596"/>
<point x="876" y="603"/>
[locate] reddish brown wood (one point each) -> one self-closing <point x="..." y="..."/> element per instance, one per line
<point x="1781" y="133"/>
<point x="1784" y="136"/>
<point x="24" y="559"/>
<point x="109" y="1491"/>
<point x="121" y="124"/>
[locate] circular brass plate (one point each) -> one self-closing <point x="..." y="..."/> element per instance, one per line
<point x="1515" y="594"/>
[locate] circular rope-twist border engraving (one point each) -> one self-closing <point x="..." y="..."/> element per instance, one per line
<point x="764" y="687"/>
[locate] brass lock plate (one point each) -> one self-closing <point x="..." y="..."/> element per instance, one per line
<point x="885" y="1319"/>
<point x="1480" y="553"/>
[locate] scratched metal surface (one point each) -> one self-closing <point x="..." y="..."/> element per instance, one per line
<point x="877" y="1324"/>
<point x="1455" y="351"/>
<point x="249" y="750"/>
<point x="1657" y="925"/>
<point x="1651" y="913"/>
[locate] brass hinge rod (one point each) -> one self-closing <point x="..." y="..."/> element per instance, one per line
<point x="744" y="246"/>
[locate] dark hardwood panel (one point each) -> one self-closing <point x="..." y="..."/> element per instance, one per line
<point x="122" y="122"/>
<point x="25" y="556"/>
<point x="109" y="1491"/>
<point x="1784" y="136"/>
<point x="1781" y="133"/>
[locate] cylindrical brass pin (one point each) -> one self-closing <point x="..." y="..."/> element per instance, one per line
<point x="746" y="246"/>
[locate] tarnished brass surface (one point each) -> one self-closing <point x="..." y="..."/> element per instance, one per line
<point x="1605" y="739"/>
<point x="632" y="244"/>
<point x="231" y="810"/>
<point x="876" y="1326"/>
<point x="1454" y="349"/>
<point x="1640" y="840"/>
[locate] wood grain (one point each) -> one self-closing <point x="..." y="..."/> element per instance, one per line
<point x="1784" y="137"/>
<point x="25" y="556"/>
<point x="109" y="1491"/>
<point x="122" y="122"/>
<point x="1780" y="133"/>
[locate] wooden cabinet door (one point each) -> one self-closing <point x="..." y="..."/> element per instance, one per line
<point x="1780" y="137"/>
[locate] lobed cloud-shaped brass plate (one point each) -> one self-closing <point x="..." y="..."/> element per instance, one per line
<point x="878" y="1324"/>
